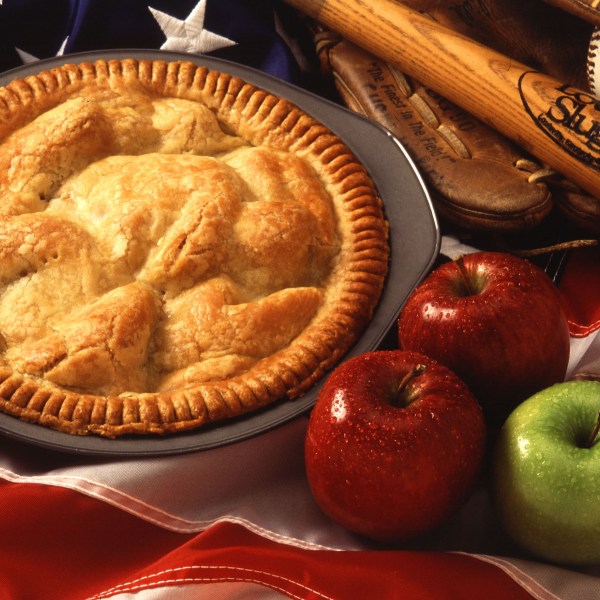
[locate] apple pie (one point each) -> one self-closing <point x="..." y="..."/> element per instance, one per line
<point x="177" y="247"/>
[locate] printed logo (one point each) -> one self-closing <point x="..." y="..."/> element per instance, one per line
<point x="571" y="117"/>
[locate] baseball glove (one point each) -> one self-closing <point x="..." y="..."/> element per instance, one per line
<point x="478" y="179"/>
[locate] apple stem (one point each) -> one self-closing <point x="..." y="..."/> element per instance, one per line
<point x="594" y="434"/>
<point x="466" y="278"/>
<point x="414" y="372"/>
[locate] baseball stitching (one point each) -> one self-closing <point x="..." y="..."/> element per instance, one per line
<point x="593" y="63"/>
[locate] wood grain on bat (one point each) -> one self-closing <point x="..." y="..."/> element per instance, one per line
<point x="557" y="123"/>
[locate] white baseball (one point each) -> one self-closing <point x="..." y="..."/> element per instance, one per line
<point x="593" y="63"/>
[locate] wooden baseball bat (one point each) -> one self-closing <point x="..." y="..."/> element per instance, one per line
<point x="555" y="122"/>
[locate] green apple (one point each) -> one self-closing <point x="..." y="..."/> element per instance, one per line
<point x="545" y="475"/>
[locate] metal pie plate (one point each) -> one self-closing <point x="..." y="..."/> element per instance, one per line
<point x="414" y="241"/>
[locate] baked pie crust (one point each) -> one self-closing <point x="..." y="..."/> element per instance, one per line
<point x="177" y="247"/>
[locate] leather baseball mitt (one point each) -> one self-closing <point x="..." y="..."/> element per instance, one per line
<point x="478" y="179"/>
<point x="557" y="37"/>
<point x="588" y="10"/>
<point x="531" y="31"/>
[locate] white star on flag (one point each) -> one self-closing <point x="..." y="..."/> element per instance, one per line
<point x="29" y="58"/>
<point x="189" y="35"/>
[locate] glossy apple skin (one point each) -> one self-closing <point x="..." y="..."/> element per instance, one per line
<point x="507" y="340"/>
<point x="389" y="472"/>
<point x="545" y="485"/>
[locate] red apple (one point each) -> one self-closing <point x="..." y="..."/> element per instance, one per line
<point x="394" y="445"/>
<point x="496" y="321"/>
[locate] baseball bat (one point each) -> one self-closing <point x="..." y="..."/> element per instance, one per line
<point x="556" y="122"/>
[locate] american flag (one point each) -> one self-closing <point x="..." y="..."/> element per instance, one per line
<point x="236" y="521"/>
<point x="240" y="30"/>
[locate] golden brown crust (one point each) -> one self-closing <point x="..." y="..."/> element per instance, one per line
<point x="177" y="247"/>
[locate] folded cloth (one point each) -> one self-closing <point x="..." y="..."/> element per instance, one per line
<point x="580" y="289"/>
<point x="121" y="555"/>
<point x="89" y="549"/>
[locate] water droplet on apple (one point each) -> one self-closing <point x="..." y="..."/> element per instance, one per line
<point x="338" y="408"/>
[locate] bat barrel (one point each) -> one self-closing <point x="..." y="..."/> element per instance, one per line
<point x="555" y="122"/>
